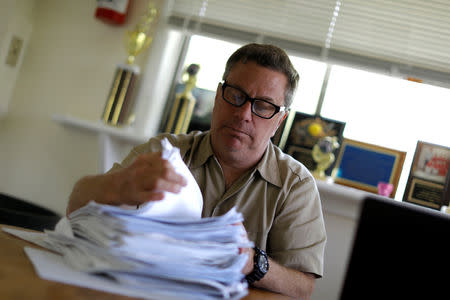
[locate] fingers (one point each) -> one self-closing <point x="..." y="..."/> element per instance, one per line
<point x="161" y="167"/>
<point x="170" y="175"/>
<point x="144" y="197"/>
<point x="160" y="183"/>
<point x="148" y="177"/>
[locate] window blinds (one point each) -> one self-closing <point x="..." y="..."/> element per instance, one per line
<point x="408" y="37"/>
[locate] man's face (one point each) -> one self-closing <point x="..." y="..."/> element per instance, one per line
<point x="238" y="135"/>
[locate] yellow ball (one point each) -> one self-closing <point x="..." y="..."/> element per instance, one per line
<point x="315" y="129"/>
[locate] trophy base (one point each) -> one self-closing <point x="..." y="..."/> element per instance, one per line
<point x="320" y="175"/>
<point x="180" y="114"/>
<point x="117" y="111"/>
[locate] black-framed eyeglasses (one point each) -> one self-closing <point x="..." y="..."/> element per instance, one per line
<point x="262" y="108"/>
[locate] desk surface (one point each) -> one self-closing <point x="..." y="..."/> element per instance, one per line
<point x="18" y="280"/>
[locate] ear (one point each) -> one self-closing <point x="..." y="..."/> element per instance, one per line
<point x="285" y="114"/>
<point x="218" y="91"/>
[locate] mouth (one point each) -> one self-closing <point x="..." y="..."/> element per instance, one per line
<point x="237" y="131"/>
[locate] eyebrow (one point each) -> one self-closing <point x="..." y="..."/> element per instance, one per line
<point x="265" y="98"/>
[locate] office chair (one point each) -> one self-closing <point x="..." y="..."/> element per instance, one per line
<point x="21" y="213"/>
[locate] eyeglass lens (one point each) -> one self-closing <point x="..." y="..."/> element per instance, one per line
<point x="237" y="97"/>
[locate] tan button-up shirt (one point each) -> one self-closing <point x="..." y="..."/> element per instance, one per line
<point x="278" y="199"/>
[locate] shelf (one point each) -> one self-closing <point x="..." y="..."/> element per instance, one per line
<point x="126" y="133"/>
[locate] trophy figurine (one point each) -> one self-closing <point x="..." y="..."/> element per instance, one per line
<point x="119" y="102"/>
<point x="322" y="154"/>
<point x="183" y="106"/>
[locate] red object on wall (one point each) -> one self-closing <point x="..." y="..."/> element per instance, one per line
<point x="112" y="11"/>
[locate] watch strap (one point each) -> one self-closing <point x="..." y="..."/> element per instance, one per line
<point x="258" y="271"/>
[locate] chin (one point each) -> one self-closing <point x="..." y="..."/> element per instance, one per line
<point x="232" y="140"/>
<point x="233" y="144"/>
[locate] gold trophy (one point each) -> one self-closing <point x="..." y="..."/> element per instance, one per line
<point x="119" y="102"/>
<point x="183" y="106"/>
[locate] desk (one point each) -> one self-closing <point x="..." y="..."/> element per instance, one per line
<point x="18" y="280"/>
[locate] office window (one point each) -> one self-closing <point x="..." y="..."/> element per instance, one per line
<point x="387" y="111"/>
<point x="311" y="78"/>
<point x="211" y="54"/>
<point x="377" y="109"/>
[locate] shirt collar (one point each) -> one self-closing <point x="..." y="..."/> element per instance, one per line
<point x="203" y="152"/>
<point x="267" y="166"/>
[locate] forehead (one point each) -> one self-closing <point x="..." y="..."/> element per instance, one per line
<point x="258" y="81"/>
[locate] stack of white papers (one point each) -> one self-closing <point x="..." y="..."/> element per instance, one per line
<point x="162" y="250"/>
<point x="179" y="259"/>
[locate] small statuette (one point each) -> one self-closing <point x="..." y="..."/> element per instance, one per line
<point x="322" y="154"/>
<point x="385" y="189"/>
<point x="139" y="39"/>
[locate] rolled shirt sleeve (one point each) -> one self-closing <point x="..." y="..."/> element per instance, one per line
<point x="297" y="237"/>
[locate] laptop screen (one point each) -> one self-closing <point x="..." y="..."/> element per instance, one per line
<point x="400" y="251"/>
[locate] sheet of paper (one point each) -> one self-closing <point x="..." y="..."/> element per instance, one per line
<point x="187" y="204"/>
<point x="52" y="267"/>
<point x="37" y="238"/>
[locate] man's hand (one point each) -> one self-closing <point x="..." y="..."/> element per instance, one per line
<point x="146" y="179"/>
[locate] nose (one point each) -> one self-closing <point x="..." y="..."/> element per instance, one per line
<point x="245" y="111"/>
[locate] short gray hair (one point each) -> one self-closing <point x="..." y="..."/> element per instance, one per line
<point x="268" y="56"/>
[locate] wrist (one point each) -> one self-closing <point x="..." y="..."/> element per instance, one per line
<point x="249" y="265"/>
<point x="260" y="266"/>
<point x="102" y="189"/>
<point x="110" y="185"/>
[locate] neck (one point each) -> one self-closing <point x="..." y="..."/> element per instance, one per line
<point x="233" y="170"/>
<point x="234" y="164"/>
<point x="231" y="174"/>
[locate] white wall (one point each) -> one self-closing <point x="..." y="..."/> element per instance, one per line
<point x="67" y="68"/>
<point x="15" y="22"/>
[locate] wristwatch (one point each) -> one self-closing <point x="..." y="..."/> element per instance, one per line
<point x="260" y="266"/>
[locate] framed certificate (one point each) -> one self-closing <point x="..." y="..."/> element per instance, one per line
<point x="364" y="166"/>
<point x="428" y="180"/>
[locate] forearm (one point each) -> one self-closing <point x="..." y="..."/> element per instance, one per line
<point x="146" y="179"/>
<point x="287" y="281"/>
<point x="97" y="188"/>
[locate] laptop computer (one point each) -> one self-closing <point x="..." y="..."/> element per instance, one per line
<point x="400" y="251"/>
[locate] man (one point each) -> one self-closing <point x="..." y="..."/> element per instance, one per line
<point x="235" y="164"/>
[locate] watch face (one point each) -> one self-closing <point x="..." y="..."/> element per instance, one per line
<point x="262" y="263"/>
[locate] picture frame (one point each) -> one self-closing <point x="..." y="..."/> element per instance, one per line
<point x="429" y="176"/>
<point x="363" y="166"/>
<point x="294" y="138"/>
